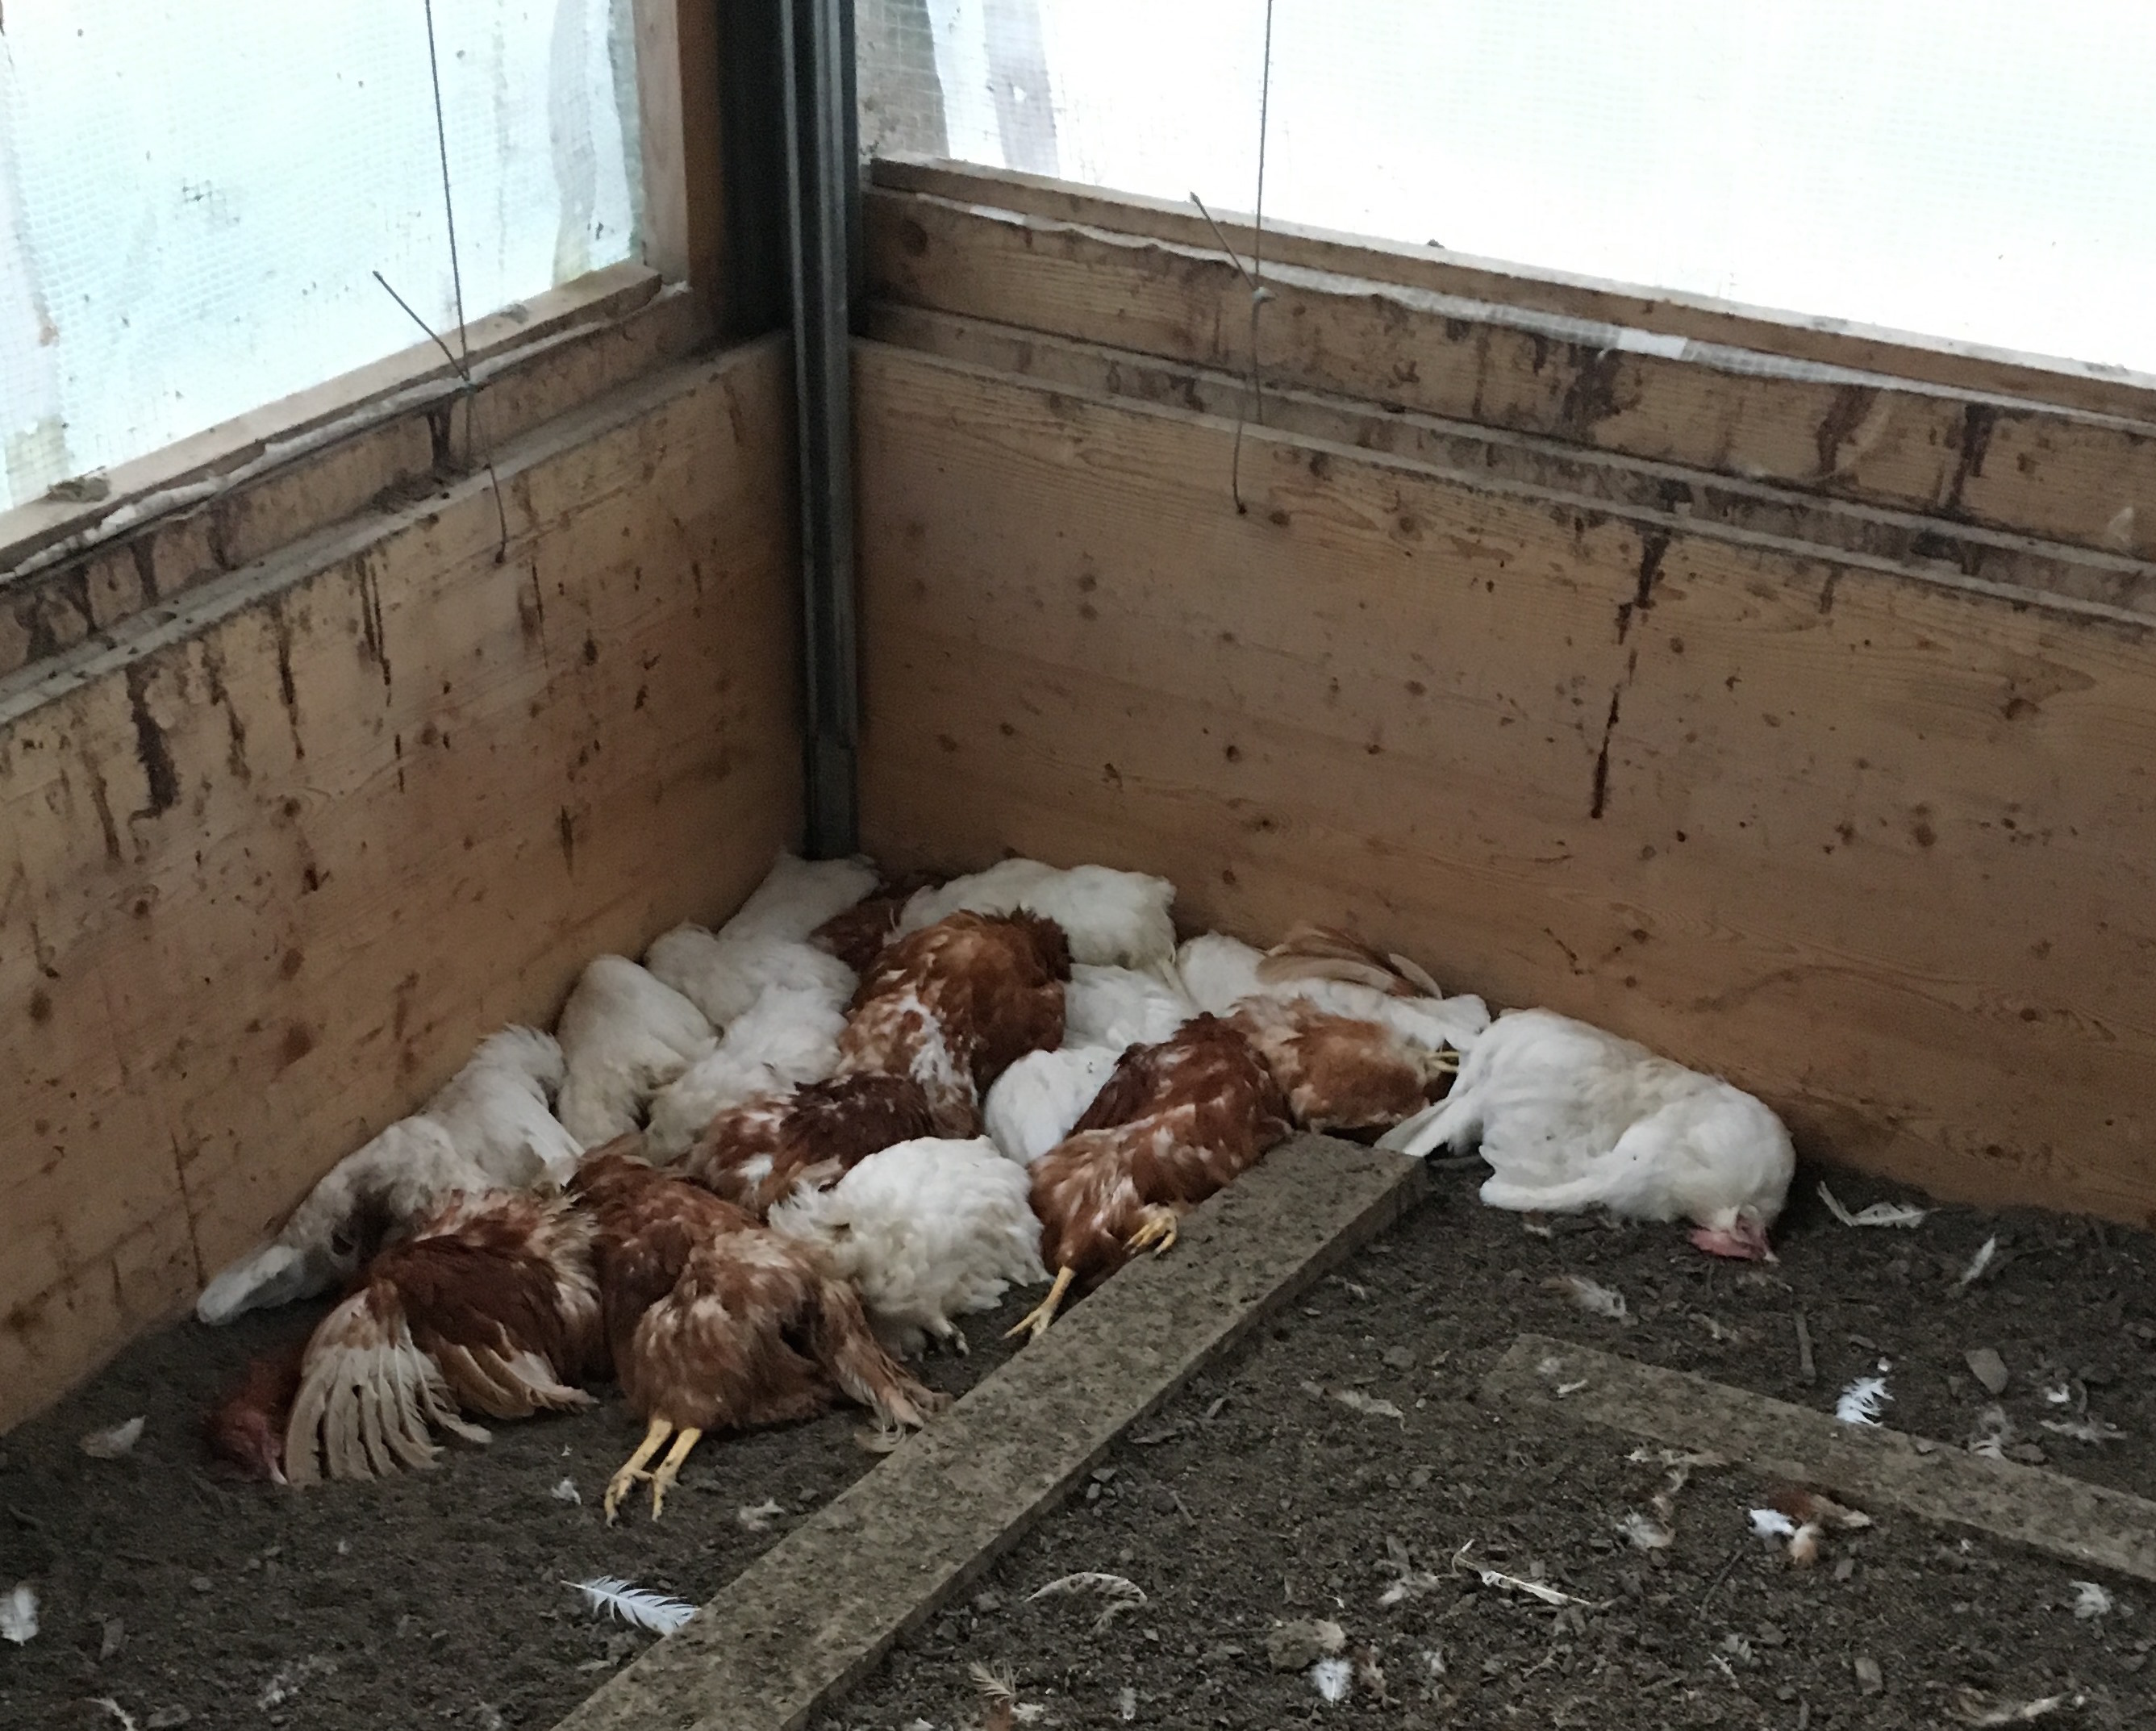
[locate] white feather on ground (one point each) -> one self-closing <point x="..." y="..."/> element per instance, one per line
<point x="1119" y="1007"/>
<point x="18" y="1614"/>
<point x="625" y="1033"/>
<point x="400" y="1178"/>
<point x="1572" y="1117"/>
<point x="926" y="1231"/>
<point x="1218" y="972"/>
<point x="1032" y="1105"/>
<point x="1863" y="1401"/>
<point x="1109" y="915"/>
<point x="640" y="1605"/>
<point x="788" y="1036"/>
<point x="497" y="1111"/>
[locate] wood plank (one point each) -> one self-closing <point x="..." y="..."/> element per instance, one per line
<point x="2056" y="473"/>
<point x="1488" y="452"/>
<point x="283" y="489"/>
<point x="270" y="865"/>
<point x="1829" y="342"/>
<point x="1876" y="845"/>
<point x="1870" y="1466"/>
<point x="810" y="1618"/>
<point x="681" y="217"/>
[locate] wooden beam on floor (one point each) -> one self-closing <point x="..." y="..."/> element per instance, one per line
<point x="1869" y="1467"/>
<point x="810" y="1618"/>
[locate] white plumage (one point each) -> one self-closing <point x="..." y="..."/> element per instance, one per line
<point x="1120" y="1006"/>
<point x="927" y="1230"/>
<point x="487" y="1128"/>
<point x="766" y="943"/>
<point x="788" y="1036"/>
<point x="497" y="1114"/>
<point x="1572" y="1117"/>
<point x="625" y="1033"/>
<point x="1109" y="915"/>
<point x="1219" y="972"/>
<point x="400" y="1178"/>
<point x="1032" y="1105"/>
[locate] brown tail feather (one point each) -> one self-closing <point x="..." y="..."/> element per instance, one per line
<point x="1315" y="952"/>
<point x="845" y="1346"/>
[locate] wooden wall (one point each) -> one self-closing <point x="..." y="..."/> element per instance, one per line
<point x="1875" y="843"/>
<point x="269" y="867"/>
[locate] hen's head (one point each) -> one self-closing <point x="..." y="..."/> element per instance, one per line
<point x="248" y="1439"/>
<point x="1737" y="1232"/>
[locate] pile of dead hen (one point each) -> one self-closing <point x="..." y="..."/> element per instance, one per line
<point x="754" y="1173"/>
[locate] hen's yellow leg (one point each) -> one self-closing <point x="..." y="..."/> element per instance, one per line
<point x="1157" y="1228"/>
<point x="633" y="1469"/>
<point x="1034" y="1322"/>
<point x="670" y="1469"/>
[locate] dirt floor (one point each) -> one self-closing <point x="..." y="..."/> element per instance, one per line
<point x="1260" y="1501"/>
<point x="187" y="1597"/>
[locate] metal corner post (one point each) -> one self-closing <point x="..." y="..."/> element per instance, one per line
<point x="823" y="184"/>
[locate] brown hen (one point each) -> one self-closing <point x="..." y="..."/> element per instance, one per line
<point x="754" y="1153"/>
<point x="717" y="1322"/>
<point x="857" y="935"/>
<point x="1172" y="1123"/>
<point x="955" y="1004"/>
<point x="1337" y="1072"/>
<point x="489" y="1307"/>
<point x="246" y="1428"/>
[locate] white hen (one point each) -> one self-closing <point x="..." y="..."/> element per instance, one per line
<point x="1570" y="1117"/>
<point x="1219" y="972"/>
<point x="487" y="1128"/>
<point x="625" y="1033"/>
<point x="926" y="1231"/>
<point x="766" y="943"/>
<point x="1109" y="915"/>
<point x="788" y="1036"/>
<point x="1033" y="1105"/>
<point x="496" y="1110"/>
<point x="1120" y="1006"/>
<point x="390" y="1182"/>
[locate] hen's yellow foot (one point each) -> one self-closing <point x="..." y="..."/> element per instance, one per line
<point x="631" y="1470"/>
<point x="670" y="1469"/>
<point x="1036" y="1323"/>
<point x="1156" y="1229"/>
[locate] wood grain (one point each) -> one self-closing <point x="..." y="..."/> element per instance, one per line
<point x="270" y="867"/>
<point x="2041" y="470"/>
<point x="1875" y="845"/>
<point x="1832" y="342"/>
<point x="1487" y="452"/>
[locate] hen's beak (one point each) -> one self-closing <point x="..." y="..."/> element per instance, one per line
<point x="1745" y="1241"/>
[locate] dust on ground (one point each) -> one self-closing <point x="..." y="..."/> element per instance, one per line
<point x="1250" y="1502"/>
<point x="1260" y="1506"/>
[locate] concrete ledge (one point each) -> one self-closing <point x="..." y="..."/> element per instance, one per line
<point x="814" y="1615"/>
<point x="2085" y="1523"/>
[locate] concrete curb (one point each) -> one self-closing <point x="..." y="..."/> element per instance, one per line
<point x="814" y="1615"/>
<point x="2090" y="1525"/>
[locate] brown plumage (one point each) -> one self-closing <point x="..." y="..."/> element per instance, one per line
<point x="246" y="1429"/>
<point x="1340" y="1073"/>
<point x="1172" y="1123"/>
<point x="489" y="1307"/>
<point x="1311" y="951"/>
<point x="955" y="1004"/>
<point x="858" y="935"/>
<point x="717" y="1322"/>
<point x="753" y="1154"/>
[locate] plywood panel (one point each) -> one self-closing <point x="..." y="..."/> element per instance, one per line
<point x="2050" y="471"/>
<point x="1875" y="845"/>
<point x="268" y="869"/>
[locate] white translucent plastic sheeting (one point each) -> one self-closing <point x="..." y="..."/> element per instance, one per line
<point x="1983" y="171"/>
<point x="193" y="198"/>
